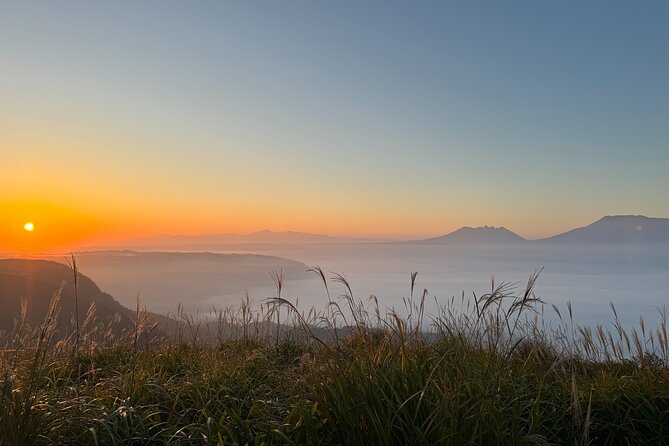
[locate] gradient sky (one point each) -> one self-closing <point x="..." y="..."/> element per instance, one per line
<point x="370" y="118"/>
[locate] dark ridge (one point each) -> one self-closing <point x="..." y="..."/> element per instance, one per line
<point x="38" y="280"/>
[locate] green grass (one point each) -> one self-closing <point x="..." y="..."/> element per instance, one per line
<point x="487" y="373"/>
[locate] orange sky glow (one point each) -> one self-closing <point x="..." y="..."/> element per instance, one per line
<point x="114" y="126"/>
<point x="61" y="228"/>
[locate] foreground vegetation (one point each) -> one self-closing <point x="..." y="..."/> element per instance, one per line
<point x="484" y="371"/>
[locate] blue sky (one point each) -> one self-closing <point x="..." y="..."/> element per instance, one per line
<point x="394" y="118"/>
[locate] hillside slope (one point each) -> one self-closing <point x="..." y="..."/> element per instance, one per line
<point x="38" y="280"/>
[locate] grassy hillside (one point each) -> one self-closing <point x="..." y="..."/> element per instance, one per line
<point x="491" y="373"/>
<point x="34" y="283"/>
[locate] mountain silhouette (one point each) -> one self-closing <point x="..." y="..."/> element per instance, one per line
<point x="38" y="280"/>
<point x="618" y="229"/>
<point x="167" y="279"/>
<point x="480" y="235"/>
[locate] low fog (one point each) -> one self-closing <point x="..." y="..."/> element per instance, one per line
<point x="632" y="277"/>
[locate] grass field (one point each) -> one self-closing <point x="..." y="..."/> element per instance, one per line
<point x="485" y="370"/>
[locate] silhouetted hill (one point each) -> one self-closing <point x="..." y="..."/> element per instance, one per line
<point x="480" y="235"/>
<point x="618" y="229"/>
<point x="193" y="279"/>
<point x="38" y="280"/>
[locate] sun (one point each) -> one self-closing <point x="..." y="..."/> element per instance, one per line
<point x="30" y="227"/>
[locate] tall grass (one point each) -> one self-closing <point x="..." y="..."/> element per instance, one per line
<point x="482" y="370"/>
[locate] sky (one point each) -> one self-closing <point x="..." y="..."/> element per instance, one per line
<point x="388" y="119"/>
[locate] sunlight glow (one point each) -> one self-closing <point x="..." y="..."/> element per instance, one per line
<point x="30" y="227"/>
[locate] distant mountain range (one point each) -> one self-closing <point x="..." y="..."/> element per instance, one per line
<point x="260" y="237"/>
<point x="610" y="229"/>
<point x="616" y="229"/>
